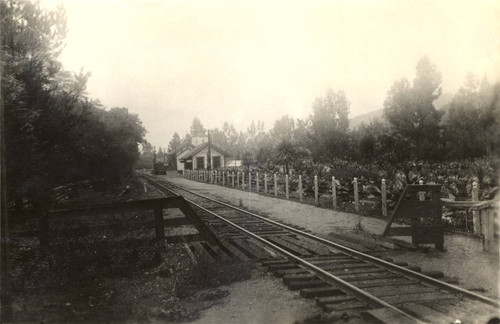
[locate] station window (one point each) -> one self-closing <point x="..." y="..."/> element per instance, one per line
<point x="200" y="162"/>
<point x="216" y="162"/>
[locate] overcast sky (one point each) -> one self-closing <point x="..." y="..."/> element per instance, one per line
<point x="169" y="61"/>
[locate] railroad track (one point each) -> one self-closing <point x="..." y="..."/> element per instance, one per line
<point x="341" y="279"/>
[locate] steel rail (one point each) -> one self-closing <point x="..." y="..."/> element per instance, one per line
<point x="322" y="274"/>
<point x="398" y="269"/>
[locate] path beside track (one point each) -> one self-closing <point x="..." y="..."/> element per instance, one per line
<point x="463" y="258"/>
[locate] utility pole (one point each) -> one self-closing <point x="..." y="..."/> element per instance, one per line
<point x="209" y="153"/>
<point x="154" y="157"/>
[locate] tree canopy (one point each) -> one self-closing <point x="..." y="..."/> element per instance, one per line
<point x="53" y="133"/>
<point x="411" y="112"/>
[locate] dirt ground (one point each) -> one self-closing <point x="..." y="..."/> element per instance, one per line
<point x="113" y="274"/>
<point x="109" y="267"/>
<point x="463" y="259"/>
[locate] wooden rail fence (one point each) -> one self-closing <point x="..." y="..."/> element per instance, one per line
<point x="279" y="186"/>
<point x="276" y="184"/>
<point x="156" y="206"/>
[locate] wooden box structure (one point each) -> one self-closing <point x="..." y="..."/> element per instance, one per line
<point x="421" y="205"/>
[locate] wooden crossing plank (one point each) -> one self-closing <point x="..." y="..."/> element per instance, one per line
<point x="321" y="292"/>
<point x="338" y="262"/>
<point x="303" y="284"/>
<point x="333" y="256"/>
<point x="312" y="246"/>
<point x="383" y="282"/>
<point x="234" y="251"/>
<point x="281" y="273"/>
<point x="258" y="254"/>
<point x="288" y="246"/>
<point x="349" y="278"/>
<point x="395" y="290"/>
<point x="347" y="267"/>
<point x="420" y="297"/>
<point x="368" y="276"/>
<point x="294" y="277"/>
<point x="221" y="255"/>
<point x="341" y="273"/>
<point x="261" y="247"/>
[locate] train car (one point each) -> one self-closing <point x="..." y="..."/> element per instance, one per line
<point x="159" y="168"/>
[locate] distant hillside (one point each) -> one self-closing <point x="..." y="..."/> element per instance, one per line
<point x="355" y="122"/>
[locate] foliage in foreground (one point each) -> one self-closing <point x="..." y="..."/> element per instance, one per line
<point x="53" y="132"/>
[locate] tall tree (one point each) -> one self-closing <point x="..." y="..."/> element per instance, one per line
<point x="174" y="143"/>
<point x="330" y="124"/>
<point x="53" y="133"/>
<point x="463" y="130"/>
<point x="411" y="112"/>
<point x="38" y="110"/>
<point x="197" y="127"/>
<point x="284" y="128"/>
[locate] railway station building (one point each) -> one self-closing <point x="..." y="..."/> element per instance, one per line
<point x="195" y="155"/>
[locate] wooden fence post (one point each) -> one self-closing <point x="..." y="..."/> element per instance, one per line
<point x="265" y="183"/>
<point x="257" y="182"/>
<point x="249" y="181"/>
<point x="223" y="178"/>
<point x="334" y="193"/>
<point x="475" y="214"/>
<point x="242" y="180"/>
<point x="488" y="227"/>
<point x="316" y="190"/>
<point x="384" y="198"/>
<point x="232" y="177"/>
<point x="275" y="185"/>
<point x="356" y="195"/>
<point x="300" y="187"/>
<point x="159" y="225"/>
<point x="286" y="186"/>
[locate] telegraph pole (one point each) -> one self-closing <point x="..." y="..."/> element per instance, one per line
<point x="209" y="153"/>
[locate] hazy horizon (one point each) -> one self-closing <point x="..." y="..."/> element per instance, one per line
<point x="171" y="61"/>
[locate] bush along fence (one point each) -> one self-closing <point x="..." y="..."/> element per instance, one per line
<point x="349" y="195"/>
